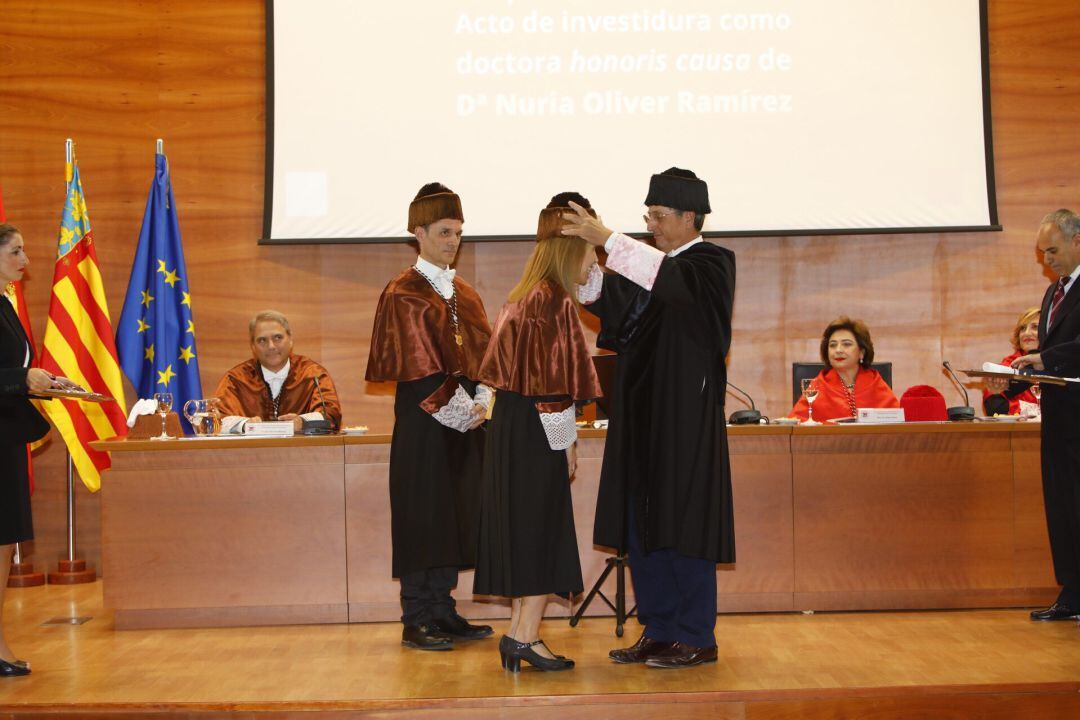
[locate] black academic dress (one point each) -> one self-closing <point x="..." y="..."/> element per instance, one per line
<point x="538" y="361"/>
<point x="434" y="483"/>
<point x="528" y="545"/>
<point x="667" y="441"/>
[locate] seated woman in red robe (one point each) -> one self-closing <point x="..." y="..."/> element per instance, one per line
<point x="1003" y="398"/>
<point x="848" y="382"/>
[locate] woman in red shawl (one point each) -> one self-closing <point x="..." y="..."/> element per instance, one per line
<point x="848" y="382"/>
<point x="1003" y="397"/>
<point x="540" y="366"/>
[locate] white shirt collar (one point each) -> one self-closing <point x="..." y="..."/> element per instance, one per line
<point x="442" y="277"/>
<point x="690" y="244"/>
<point x="280" y="376"/>
<point x="430" y="269"/>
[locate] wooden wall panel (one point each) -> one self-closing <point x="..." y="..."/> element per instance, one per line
<point x="117" y="75"/>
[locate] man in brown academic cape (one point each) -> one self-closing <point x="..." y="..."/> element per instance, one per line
<point x="276" y="384"/>
<point x="430" y="334"/>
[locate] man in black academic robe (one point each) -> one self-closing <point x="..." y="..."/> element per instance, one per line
<point x="1058" y="240"/>
<point x="665" y="487"/>
<point x="429" y="336"/>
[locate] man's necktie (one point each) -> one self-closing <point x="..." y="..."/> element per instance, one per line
<point x="1059" y="295"/>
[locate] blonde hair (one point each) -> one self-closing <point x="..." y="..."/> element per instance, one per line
<point x="1028" y="315"/>
<point x="557" y="258"/>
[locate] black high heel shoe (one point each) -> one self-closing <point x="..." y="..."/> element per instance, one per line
<point x="503" y="648"/>
<point x="513" y="652"/>
<point x="13" y="669"/>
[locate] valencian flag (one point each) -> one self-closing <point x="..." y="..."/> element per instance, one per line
<point x="79" y="340"/>
<point x="14" y="293"/>
<point x="156" y="334"/>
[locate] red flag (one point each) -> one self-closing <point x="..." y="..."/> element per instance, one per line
<point x="15" y="293"/>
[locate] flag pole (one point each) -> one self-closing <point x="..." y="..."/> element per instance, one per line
<point x="70" y="509"/>
<point x="80" y="423"/>
<point x="71" y="571"/>
<point x="160" y="146"/>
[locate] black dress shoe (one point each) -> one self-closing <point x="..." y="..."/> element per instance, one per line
<point x="12" y="670"/>
<point x="425" y="637"/>
<point x="682" y="656"/>
<point x="640" y="651"/>
<point x="1057" y="611"/>
<point x="459" y="628"/>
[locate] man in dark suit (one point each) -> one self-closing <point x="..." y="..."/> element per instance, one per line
<point x="1059" y="342"/>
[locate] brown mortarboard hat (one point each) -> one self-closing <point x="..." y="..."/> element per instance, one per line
<point x="434" y="202"/>
<point x="551" y="222"/>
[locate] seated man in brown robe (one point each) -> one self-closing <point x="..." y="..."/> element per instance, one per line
<point x="276" y="384"/>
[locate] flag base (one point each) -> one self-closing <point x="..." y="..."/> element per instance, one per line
<point x="72" y="572"/>
<point x="23" y="575"/>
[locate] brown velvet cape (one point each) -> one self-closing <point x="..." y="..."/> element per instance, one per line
<point x="243" y="391"/>
<point x="413" y="336"/>
<point x="538" y="349"/>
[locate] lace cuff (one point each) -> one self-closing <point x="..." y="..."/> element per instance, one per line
<point x="233" y="424"/>
<point x="594" y="283"/>
<point x="483" y="396"/>
<point x="634" y="260"/>
<point x="560" y="427"/>
<point x="458" y="413"/>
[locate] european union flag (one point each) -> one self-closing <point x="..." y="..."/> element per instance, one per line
<point x="156" y="334"/>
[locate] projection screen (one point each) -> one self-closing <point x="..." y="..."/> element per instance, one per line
<point x="823" y="117"/>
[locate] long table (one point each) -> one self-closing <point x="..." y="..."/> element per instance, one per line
<point x="208" y="532"/>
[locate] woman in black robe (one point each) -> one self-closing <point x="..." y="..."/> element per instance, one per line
<point x="540" y="366"/>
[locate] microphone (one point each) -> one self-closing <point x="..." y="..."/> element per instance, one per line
<point x="317" y="427"/>
<point x="960" y="412"/>
<point x="318" y="389"/>
<point x="744" y="417"/>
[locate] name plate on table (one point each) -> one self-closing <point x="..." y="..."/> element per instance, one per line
<point x="880" y="416"/>
<point x="270" y="428"/>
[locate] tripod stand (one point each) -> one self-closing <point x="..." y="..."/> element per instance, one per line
<point x="619" y="563"/>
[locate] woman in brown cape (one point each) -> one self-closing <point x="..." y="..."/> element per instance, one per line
<point x="540" y="366"/>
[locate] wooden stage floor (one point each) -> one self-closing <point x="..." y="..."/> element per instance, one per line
<point x="985" y="664"/>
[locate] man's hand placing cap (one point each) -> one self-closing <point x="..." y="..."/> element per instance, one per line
<point x="583" y="225"/>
